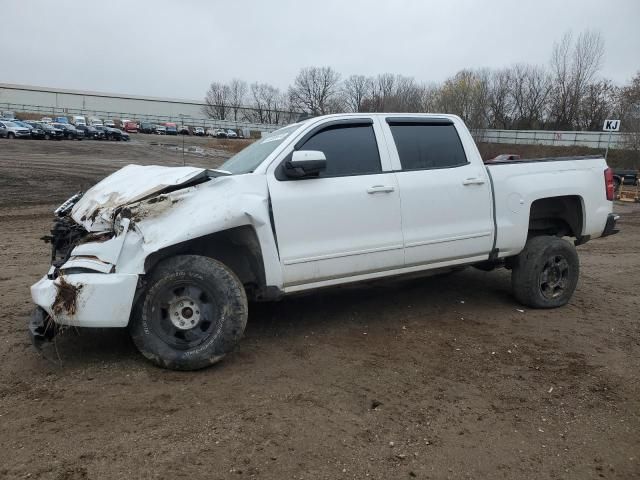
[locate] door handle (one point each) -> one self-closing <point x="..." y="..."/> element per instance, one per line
<point x="473" y="181"/>
<point x="380" y="189"/>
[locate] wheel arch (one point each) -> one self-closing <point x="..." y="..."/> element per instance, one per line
<point x="559" y="216"/>
<point x="238" y="248"/>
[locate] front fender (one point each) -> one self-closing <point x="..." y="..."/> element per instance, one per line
<point x="173" y="218"/>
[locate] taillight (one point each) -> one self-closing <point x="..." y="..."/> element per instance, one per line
<point x="608" y="182"/>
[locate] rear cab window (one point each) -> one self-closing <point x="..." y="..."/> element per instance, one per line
<point x="425" y="144"/>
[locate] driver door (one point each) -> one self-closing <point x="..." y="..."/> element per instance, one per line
<point x="344" y="222"/>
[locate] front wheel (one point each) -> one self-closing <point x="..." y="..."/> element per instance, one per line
<point x="545" y="273"/>
<point x="192" y="314"/>
<point x="11" y="135"/>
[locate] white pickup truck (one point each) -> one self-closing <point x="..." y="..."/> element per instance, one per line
<point x="175" y="253"/>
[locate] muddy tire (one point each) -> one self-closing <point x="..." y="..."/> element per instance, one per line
<point x="193" y="313"/>
<point x="545" y="273"/>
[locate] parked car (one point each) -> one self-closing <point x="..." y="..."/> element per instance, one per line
<point x="231" y="134"/>
<point x="91" y="132"/>
<point x="217" y="132"/>
<point x="110" y="133"/>
<point x="502" y="157"/>
<point x="64" y="120"/>
<point x="171" y="128"/>
<point x="9" y="129"/>
<point x="146" y="127"/>
<point x="33" y="132"/>
<point x="78" y="120"/>
<point x="51" y="132"/>
<point x="130" y="126"/>
<point x="95" y="121"/>
<point x="624" y="177"/>
<point x="332" y="200"/>
<point x="184" y="130"/>
<point x="8" y="114"/>
<point x="198" y="131"/>
<point x="109" y="123"/>
<point x="161" y="130"/>
<point x="36" y="130"/>
<point x="70" y="132"/>
<point x="46" y="119"/>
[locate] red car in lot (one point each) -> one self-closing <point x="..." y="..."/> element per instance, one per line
<point x="130" y="127"/>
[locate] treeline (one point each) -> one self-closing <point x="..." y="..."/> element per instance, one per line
<point x="566" y="94"/>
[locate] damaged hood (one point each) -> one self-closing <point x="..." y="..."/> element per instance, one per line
<point x="95" y="210"/>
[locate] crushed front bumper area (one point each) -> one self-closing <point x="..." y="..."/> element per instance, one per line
<point x="85" y="299"/>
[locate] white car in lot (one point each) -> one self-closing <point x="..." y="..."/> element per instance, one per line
<point x="175" y="253"/>
<point x="217" y="132"/>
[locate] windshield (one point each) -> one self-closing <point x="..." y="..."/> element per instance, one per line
<point x="247" y="160"/>
<point x="9" y="124"/>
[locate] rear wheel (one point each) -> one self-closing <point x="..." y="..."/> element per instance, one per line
<point x="193" y="313"/>
<point x="545" y="273"/>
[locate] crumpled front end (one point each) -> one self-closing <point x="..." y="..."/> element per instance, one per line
<point x="101" y="240"/>
<point x="82" y="287"/>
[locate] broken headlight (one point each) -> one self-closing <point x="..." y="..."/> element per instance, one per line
<point x="67" y="205"/>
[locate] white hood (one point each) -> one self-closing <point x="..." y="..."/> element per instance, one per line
<point x="95" y="210"/>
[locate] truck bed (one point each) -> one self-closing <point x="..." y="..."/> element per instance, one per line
<point x="517" y="184"/>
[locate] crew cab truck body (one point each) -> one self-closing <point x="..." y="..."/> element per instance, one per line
<point x="174" y="252"/>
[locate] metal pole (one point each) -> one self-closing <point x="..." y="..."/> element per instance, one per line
<point x="608" y="142"/>
<point x="182" y="121"/>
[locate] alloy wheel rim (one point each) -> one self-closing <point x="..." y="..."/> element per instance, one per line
<point x="554" y="277"/>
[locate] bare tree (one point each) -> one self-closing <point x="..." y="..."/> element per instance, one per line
<point x="596" y="105"/>
<point x="355" y="90"/>
<point x="629" y="112"/>
<point x="315" y="90"/>
<point x="237" y="94"/>
<point x="381" y="92"/>
<point x="466" y="95"/>
<point x="267" y="103"/>
<point x="530" y="91"/>
<point x="217" y="101"/>
<point x="429" y="97"/>
<point x="406" y="96"/>
<point x="574" y="66"/>
<point x="500" y="99"/>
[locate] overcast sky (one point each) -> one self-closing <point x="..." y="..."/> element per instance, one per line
<point x="176" y="48"/>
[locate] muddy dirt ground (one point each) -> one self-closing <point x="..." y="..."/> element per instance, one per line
<point x="426" y="378"/>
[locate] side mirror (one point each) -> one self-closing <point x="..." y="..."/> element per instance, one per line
<point x="305" y="163"/>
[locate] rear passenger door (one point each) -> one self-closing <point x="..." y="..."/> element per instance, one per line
<point x="446" y="200"/>
<point x="344" y="222"/>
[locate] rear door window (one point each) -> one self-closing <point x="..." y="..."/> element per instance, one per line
<point x="427" y="145"/>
